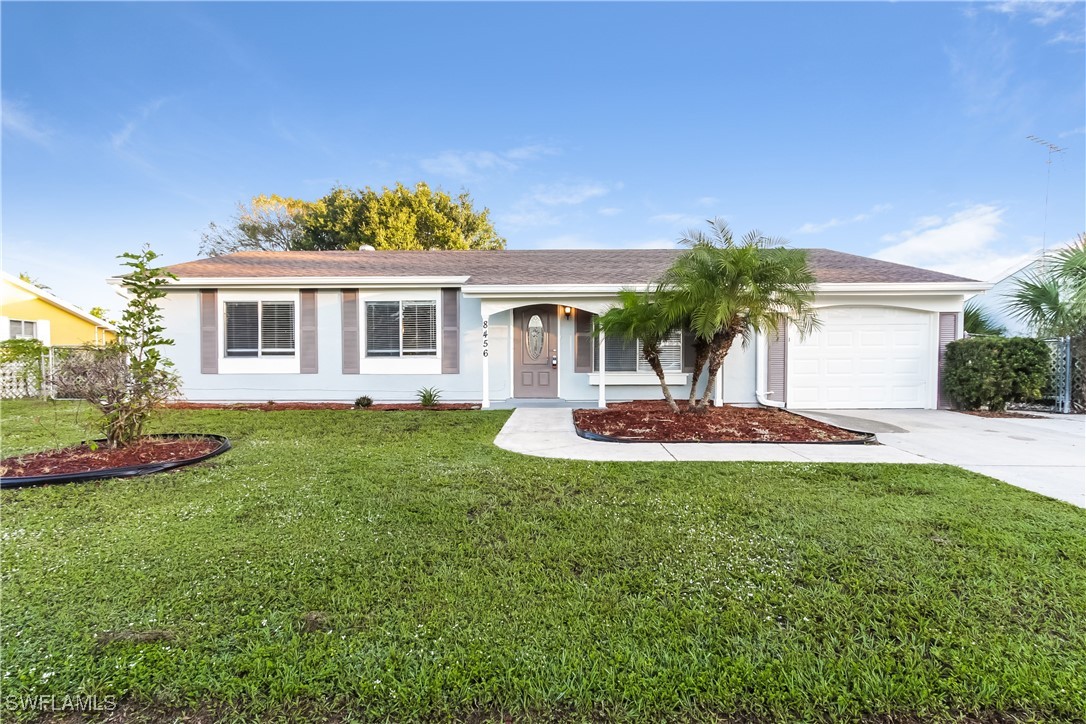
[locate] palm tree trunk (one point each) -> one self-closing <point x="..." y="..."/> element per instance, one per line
<point x="652" y="356"/>
<point x="701" y="353"/>
<point x="722" y="342"/>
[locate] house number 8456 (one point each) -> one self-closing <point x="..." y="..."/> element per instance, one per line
<point x="486" y="334"/>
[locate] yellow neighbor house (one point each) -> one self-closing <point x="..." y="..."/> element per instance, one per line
<point x="27" y="311"/>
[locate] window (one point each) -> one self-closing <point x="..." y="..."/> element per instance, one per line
<point x="23" y="330"/>
<point x="626" y="356"/>
<point x="401" y="329"/>
<point x="259" y="329"/>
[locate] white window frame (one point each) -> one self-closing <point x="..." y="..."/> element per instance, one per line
<point x="23" y="323"/>
<point x="429" y="354"/>
<point x="265" y="364"/>
<point x="260" y="350"/>
<point x="641" y="366"/>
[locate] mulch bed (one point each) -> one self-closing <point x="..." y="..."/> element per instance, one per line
<point x="1002" y="413"/>
<point x="81" y="458"/>
<point x="651" y="420"/>
<point x="277" y="406"/>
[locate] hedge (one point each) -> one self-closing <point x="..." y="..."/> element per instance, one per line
<point x="992" y="371"/>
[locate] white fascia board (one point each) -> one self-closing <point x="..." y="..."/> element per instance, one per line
<point x="58" y="302"/>
<point x="900" y="288"/>
<point x="308" y="282"/>
<point x="548" y="290"/>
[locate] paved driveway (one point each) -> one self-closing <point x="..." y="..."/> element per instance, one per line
<point x="1047" y="456"/>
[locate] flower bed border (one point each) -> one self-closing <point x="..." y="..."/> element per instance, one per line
<point x="127" y="471"/>
<point x="867" y="438"/>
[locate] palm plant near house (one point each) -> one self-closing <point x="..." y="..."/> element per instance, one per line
<point x="727" y="289"/>
<point x="641" y="318"/>
<point x="1053" y="301"/>
<point x="979" y="323"/>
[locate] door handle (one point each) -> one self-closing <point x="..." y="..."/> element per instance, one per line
<point x="554" y="359"/>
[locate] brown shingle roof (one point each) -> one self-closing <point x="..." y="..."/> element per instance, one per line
<point x="532" y="266"/>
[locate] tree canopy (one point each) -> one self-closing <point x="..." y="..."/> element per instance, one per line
<point x="344" y="218"/>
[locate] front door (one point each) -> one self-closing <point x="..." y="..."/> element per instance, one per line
<point x="535" y="351"/>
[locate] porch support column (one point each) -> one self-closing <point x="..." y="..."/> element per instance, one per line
<point x="718" y="388"/>
<point x="603" y="371"/>
<point x="486" y="359"/>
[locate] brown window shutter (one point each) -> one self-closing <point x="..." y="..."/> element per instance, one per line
<point x="450" y="331"/>
<point x="948" y="332"/>
<point x="777" y="362"/>
<point x="582" y="340"/>
<point x="689" y="353"/>
<point x="209" y="332"/>
<point x="307" y="348"/>
<point x="351" y="350"/>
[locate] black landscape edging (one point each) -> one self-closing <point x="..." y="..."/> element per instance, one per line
<point x="128" y="471"/>
<point x="867" y="439"/>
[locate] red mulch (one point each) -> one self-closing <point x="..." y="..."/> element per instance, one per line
<point x="1002" y="413"/>
<point x="275" y="406"/>
<point x="81" y="458"/>
<point x="651" y="420"/>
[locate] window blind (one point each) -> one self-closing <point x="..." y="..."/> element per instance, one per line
<point x="420" y="328"/>
<point x="277" y="328"/>
<point x="627" y="356"/>
<point x="242" y="329"/>
<point x="382" y="329"/>
<point x="22" y="329"/>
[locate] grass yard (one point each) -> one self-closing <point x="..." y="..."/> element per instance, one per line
<point x="368" y="565"/>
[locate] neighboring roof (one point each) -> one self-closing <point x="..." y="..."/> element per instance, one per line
<point x="56" y="301"/>
<point x="522" y="267"/>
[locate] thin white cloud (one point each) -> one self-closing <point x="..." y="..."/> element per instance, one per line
<point x="813" y="227"/>
<point x="707" y="201"/>
<point x="1065" y="19"/>
<point x="563" y="194"/>
<point x="567" y="241"/>
<point x="1076" y="132"/>
<point x="964" y="243"/>
<point x="473" y="164"/>
<point x="119" y="140"/>
<point x="609" y="211"/>
<point x="652" y="244"/>
<point x="522" y="218"/>
<point x="19" y="121"/>
<point x="677" y="219"/>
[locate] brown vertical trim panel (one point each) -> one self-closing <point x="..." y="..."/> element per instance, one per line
<point x="351" y="342"/>
<point x="582" y="340"/>
<point x="450" y="331"/>
<point x="689" y="353"/>
<point x="307" y="342"/>
<point x="948" y="332"/>
<point x="777" y="363"/>
<point x="209" y="331"/>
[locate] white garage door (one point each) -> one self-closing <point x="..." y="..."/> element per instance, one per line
<point x="863" y="357"/>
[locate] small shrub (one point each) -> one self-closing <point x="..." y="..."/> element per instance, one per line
<point x="992" y="371"/>
<point x="363" y="401"/>
<point x="26" y="355"/>
<point x="428" y="396"/>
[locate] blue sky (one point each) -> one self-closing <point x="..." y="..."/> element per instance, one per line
<point x="892" y="130"/>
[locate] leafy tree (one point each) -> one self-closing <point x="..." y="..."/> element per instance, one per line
<point x="267" y="223"/>
<point x="394" y="218"/>
<point x="726" y="290"/>
<point x="979" y="322"/>
<point x="99" y="312"/>
<point x="398" y="218"/>
<point x="641" y="319"/>
<point x="25" y="355"/>
<point x="127" y="379"/>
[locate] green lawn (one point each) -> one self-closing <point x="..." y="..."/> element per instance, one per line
<point x="444" y="578"/>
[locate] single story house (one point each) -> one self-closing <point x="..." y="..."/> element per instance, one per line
<point x="504" y="326"/>
<point x="29" y="312"/>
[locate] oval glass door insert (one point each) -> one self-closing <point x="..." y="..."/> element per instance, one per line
<point x="534" y="337"/>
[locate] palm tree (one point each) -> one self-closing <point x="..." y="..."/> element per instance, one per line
<point x="979" y="322"/>
<point x="640" y="318"/>
<point x="1053" y="301"/>
<point x="726" y="289"/>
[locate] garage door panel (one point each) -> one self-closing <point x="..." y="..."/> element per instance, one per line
<point x="863" y="357"/>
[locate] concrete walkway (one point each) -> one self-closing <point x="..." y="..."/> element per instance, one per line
<point x="549" y="433"/>
<point x="1046" y="456"/>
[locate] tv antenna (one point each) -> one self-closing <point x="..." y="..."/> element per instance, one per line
<point x="1052" y="148"/>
